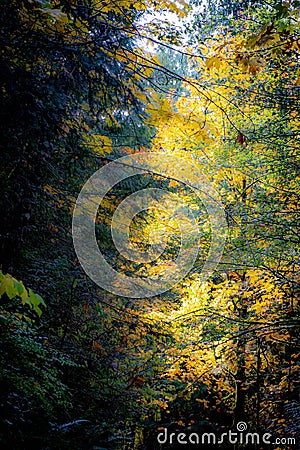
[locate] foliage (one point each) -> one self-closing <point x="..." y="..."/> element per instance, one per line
<point x="31" y="388"/>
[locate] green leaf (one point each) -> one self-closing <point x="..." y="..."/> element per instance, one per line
<point x="20" y="289"/>
<point x="7" y="286"/>
<point x="34" y="301"/>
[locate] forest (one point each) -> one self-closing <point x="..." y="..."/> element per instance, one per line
<point x="149" y="232"/>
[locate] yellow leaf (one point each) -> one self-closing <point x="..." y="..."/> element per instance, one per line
<point x="213" y="62"/>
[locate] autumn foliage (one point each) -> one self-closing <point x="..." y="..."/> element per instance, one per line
<point x="84" y="83"/>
